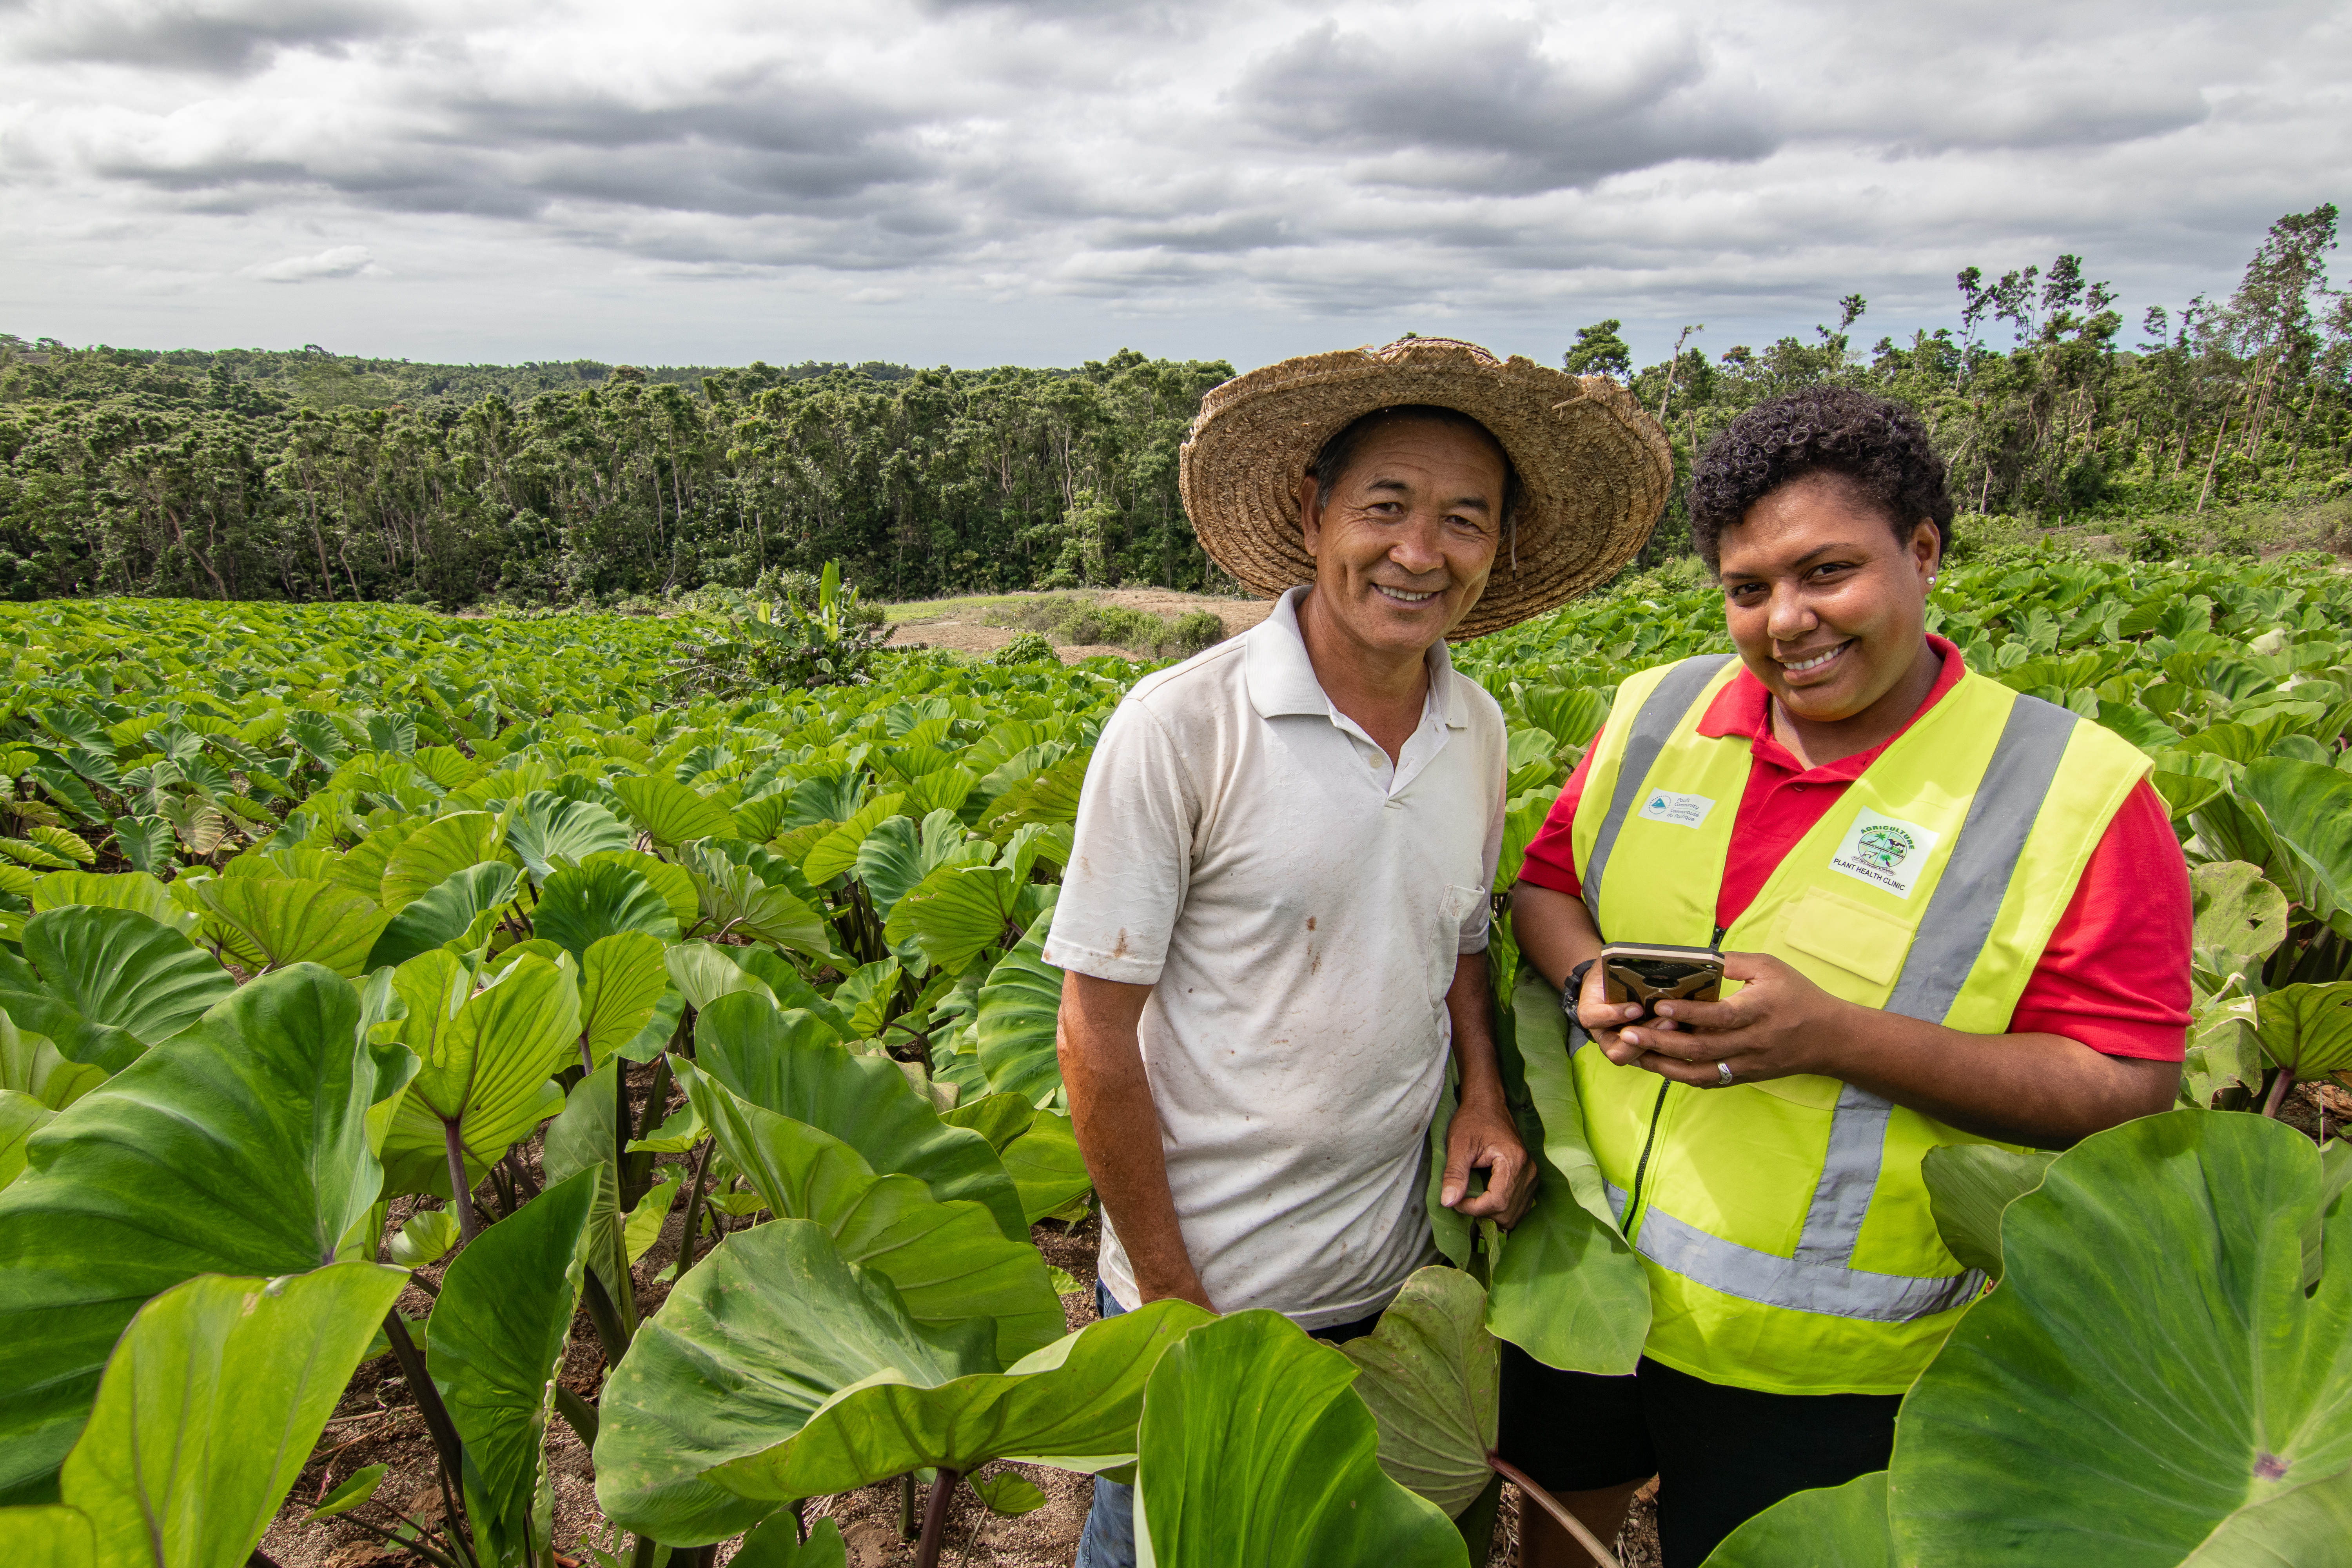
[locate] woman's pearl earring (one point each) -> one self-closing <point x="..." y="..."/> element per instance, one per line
<point x="1931" y="581"/>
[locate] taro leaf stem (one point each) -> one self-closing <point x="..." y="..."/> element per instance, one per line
<point x="446" y="1447"/>
<point x="2279" y="1087"/>
<point x="578" y="1413"/>
<point x="935" y="1518"/>
<point x="1551" y="1505"/>
<point x="611" y="1328"/>
<point x="693" y="1211"/>
<point x="461" y="1196"/>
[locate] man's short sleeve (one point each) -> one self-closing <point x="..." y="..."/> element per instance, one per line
<point x="1132" y="860"/>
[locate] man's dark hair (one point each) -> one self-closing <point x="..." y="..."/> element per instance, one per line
<point x="1877" y="444"/>
<point x="1339" y="452"/>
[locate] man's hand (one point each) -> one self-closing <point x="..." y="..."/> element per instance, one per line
<point x="1483" y="1137"/>
<point x="1777" y="1023"/>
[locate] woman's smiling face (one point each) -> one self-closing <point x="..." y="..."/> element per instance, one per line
<point x="1826" y="606"/>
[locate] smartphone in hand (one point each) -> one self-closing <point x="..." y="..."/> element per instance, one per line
<point x="1651" y="973"/>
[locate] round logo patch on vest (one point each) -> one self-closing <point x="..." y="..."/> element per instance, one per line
<point x="1884" y="852"/>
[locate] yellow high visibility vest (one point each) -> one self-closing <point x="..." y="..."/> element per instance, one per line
<point x="1784" y="1224"/>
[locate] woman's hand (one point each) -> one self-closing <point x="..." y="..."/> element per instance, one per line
<point x="1604" y="1020"/>
<point x="1777" y="1023"/>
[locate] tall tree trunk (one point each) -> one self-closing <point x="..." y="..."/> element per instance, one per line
<point x="2208" y="488"/>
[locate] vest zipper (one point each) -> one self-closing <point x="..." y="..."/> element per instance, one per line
<point x="1642" y="1166"/>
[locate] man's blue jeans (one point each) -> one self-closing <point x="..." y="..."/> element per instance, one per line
<point x="1109" y="1539"/>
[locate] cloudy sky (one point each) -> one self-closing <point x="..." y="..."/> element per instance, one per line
<point x="934" y="181"/>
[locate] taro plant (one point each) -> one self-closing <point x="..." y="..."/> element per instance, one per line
<point x="2163" y="1375"/>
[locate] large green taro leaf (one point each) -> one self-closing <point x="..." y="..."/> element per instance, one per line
<point x="897" y="854"/>
<point x="865" y="1101"/>
<point x="2240" y="916"/>
<point x="48" y="1537"/>
<point x="111" y="890"/>
<point x="949" y="1260"/>
<point x="2307" y="1028"/>
<point x="106" y="984"/>
<point x="499" y="1332"/>
<point x="733" y="902"/>
<point x="582" y="905"/>
<point x="621" y="979"/>
<point x="450" y="910"/>
<point x="439" y="850"/>
<point x="1046" y="1164"/>
<point x="2150" y="1371"/>
<point x="1018" y="1009"/>
<point x="209" y="1408"/>
<point x="955" y="913"/>
<point x="671" y="812"/>
<point x="547" y="831"/>
<point x="1566" y="1289"/>
<point x="275" y="921"/>
<point x="1832" y="1526"/>
<point x="21" y="1116"/>
<point x="751" y="1343"/>
<point x="1969" y="1187"/>
<point x="1253" y="1448"/>
<point x="1432" y="1376"/>
<point x="485" y="1060"/>
<point x="2308" y="806"/>
<point x="1074" y="1403"/>
<point x="241" y="1147"/>
<point x="31" y="1063"/>
<point x="837" y="851"/>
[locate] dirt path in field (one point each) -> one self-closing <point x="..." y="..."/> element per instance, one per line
<point x="965" y="625"/>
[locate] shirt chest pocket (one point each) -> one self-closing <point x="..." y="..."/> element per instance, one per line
<point x="1847" y="947"/>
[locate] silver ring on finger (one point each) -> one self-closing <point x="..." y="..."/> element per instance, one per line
<point x="1723" y="1074"/>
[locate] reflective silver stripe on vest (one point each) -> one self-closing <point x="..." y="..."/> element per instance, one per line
<point x="1952" y="934"/>
<point x="1653" y="726"/>
<point x="1795" y="1282"/>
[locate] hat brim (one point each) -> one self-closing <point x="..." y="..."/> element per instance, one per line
<point x="1594" y="469"/>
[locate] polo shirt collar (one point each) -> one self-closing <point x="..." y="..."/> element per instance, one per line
<point x="1744" y="707"/>
<point x="1282" y="677"/>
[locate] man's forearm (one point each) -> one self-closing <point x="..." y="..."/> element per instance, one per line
<point x="1117" y="1130"/>
<point x="1468" y="1008"/>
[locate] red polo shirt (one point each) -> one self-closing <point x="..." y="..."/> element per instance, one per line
<point x="2114" y="975"/>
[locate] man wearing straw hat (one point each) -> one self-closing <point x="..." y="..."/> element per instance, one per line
<point x="1274" y="924"/>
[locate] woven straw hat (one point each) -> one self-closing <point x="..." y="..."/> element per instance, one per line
<point x="1593" y="468"/>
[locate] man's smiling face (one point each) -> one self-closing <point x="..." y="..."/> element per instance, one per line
<point x="1402" y="549"/>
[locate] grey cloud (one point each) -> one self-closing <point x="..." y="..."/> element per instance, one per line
<point x="194" y="36"/>
<point x="1485" y="108"/>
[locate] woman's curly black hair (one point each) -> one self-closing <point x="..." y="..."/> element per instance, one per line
<point x="1876" y="443"/>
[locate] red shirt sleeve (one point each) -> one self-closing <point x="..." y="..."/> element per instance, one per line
<point x="2116" y="972"/>
<point x="1551" y="858"/>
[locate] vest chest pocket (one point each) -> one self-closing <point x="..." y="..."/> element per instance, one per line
<point x="1867" y="945"/>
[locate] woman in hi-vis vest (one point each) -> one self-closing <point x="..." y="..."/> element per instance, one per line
<point x="1947" y="913"/>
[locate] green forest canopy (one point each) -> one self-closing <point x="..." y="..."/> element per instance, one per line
<point x="247" y="474"/>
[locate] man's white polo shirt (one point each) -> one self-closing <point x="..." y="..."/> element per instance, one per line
<point x="1298" y="906"/>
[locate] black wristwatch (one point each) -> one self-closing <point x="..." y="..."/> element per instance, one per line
<point x="1570" y="991"/>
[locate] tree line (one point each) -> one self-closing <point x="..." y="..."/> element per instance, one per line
<point x="312" y="476"/>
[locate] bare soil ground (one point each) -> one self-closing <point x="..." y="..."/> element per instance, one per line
<point x="969" y="626"/>
<point x="377" y="1423"/>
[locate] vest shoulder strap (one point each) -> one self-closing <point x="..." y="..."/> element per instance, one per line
<point x="1654" y="725"/>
